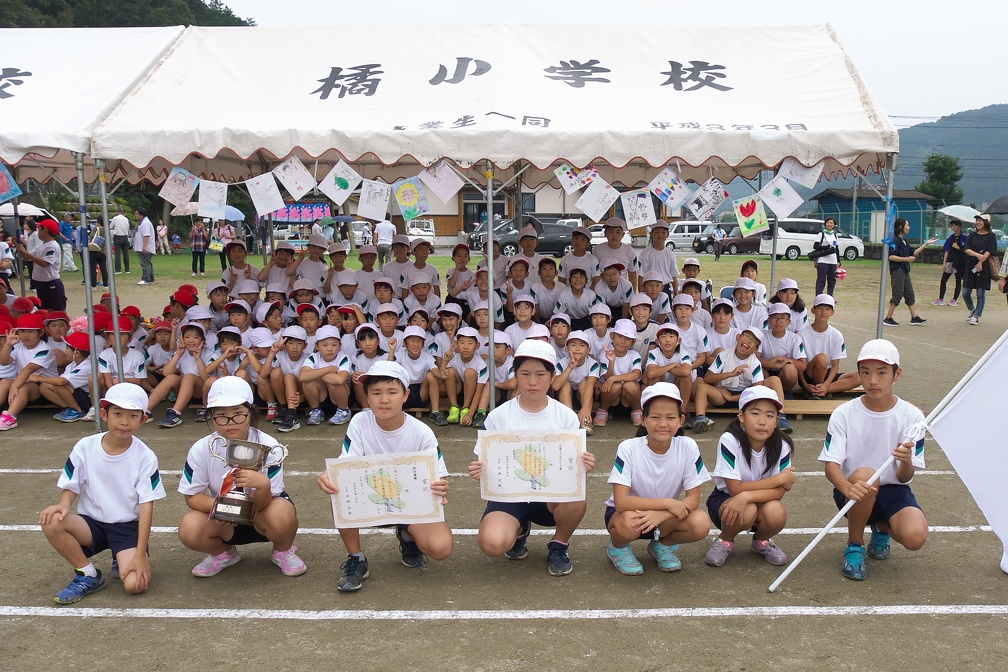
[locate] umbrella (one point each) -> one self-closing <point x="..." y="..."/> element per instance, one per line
<point x="187" y="209"/>
<point x="963" y="212"/>
<point x="233" y="214"/>
<point x="343" y="218"/>
<point x="24" y="210"/>
<point x="998" y="207"/>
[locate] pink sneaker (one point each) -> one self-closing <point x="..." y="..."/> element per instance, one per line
<point x="213" y="565"/>
<point x="637" y="417"/>
<point x="953" y="303"/>
<point x="7" y="421"/>
<point x="288" y="562"/>
<point x="600" y="418"/>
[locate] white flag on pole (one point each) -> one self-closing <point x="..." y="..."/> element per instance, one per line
<point x="975" y="453"/>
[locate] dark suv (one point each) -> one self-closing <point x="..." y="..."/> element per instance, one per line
<point x="554" y="240"/>
<point x="733" y="243"/>
<point x="500" y="229"/>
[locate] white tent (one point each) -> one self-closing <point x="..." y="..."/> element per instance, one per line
<point x="57" y="83"/>
<point x="228" y="103"/>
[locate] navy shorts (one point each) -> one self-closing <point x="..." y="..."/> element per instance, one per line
<point x="414" y="400"/>
<point x="114" y="536"/>
<point x="83" y="398"/>
<point x="714" y="503"/>
<point x="890" y="500"/>
<point x="610" y="511"/>
<point x="525" y="512"/>
<point x="830" y="377"/>
<point x="247" y="534"/>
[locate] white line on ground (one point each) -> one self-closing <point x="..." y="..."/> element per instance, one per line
<point x="892" y="336"/>
<point x="509" y="614"/>
<point x="472" y="532"/>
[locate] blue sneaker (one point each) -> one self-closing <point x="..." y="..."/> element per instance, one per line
<point x="115" y="568"/>
<point x="878" y="545"/>
<point x="355" y="571"/>
<point x="79" y="587"/>
<point x="520" y="549"/>
<point x="783" y="424"/>
<point x="853" y="563"/>
<point x="410" y="553"/>
<point x="624" y="560"/>
<point x="71" y="415"/>
<point x="559" y="562"/>
<point x="315" y="416"/>
<point x="665" y="556"/>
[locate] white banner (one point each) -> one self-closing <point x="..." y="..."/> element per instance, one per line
<point x="265" y="194"/>
<point x="340" y="182"/>
<point x="179" y="186"/>
<point x="295" y="177"/>
<point x="597" y="198"/>
<point x="442" y="180"/>
<point x="374" y="197"/>
<point x="780" y="197"/>
<point x="638" y="208"/>
<point x="212" y="199"/>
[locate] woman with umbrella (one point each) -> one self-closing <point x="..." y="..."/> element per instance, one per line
<point x="981" y="245"/>
<point x="953" y="262"/>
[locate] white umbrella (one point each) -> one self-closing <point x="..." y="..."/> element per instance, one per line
<point x="187" y="209"/>
<point x="963" y="212"/>
<point x="7" y="209"/>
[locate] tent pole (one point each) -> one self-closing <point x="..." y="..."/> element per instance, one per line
<point x="88" y="300"/>
<point x="488" y="255"/>
<point x="771" y="290"/>
<point x="884" y="273"/>
<point x="18" y="237"/>
<point x="110" y="281"/>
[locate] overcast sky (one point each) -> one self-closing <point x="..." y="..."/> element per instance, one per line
<point x="922" y="59"/>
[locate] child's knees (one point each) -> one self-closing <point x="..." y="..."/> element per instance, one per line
<point x="133" y="585"/>
<point x="698" y="525"/>
<point x="494" y="542"/>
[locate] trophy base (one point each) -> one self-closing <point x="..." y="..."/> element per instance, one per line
<point x="234" y="509"/>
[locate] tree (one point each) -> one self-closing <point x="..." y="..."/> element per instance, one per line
<point x="116" y="13"/>
<point x="942" y="179"/>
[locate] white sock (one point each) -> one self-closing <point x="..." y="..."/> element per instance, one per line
<point x="89" y="570"/>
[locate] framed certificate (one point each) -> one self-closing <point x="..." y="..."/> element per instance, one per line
<point x="385" y="489"/>
<point x="532" y="465"/>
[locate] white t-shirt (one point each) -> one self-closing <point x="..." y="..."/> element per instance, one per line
<point x="518" y="334"/>
<point x="623" y="254"/>
<point x="315" y="271"/>
<point x="416" y="368"/>
<point x="477" y="363"/>
<point x="204" y="474"/>
<point x="731" y="463"/>
<point x="111" y="488"/>
<point x="411" y="304"/>
<point x="724" y="341"/>
<point x="134" y="364"/>
<point x="657" y="358"/>
<point x="371" y="308"/>
<point x="694" y="341"/>
<point x="597" y="345"/>
<point x="287" y="365"/>
<point x="145" y="229"/>
<point x="663" y="261"/>
<point x="396" y="272"/>
<point x="588" y="369"/>
<point x="790" y="345"/>
<point x="41" y="355"/>
<point x="857" y="437"/>
<point x="799" y="320"/>
<point x="411" y="270"/>
<point x="546" y="298"/>
<point x="187" y="363"/>
<point x="576" y="307"/>
<point x="383" y="340"/>
<point x="505" y="371"/>
<point x="727" y="361"/>
<point x="314" y="361"/>
<point x="278" y="276"/>
<point x="79" y="375"/>
<point x="632" y="361"/>
<point x="655" y="476"/>
<point x="364" y="437"/>
<point x="363" y="363"/>
<point x="829" y="239"/>
<point x="239" y="275"/>
<point x="51" y="253"/>
<point x="830" y="341"/>
<point x="384" y="232"/>
<point x="589" y="262"/>
<point x="702" y="318"/>
<point x="615" y="298"/>
<point x="645" y="337"/>
<point x="510" y="415"/>
<point x="756" y="318"/>
<point x="158" y="356"/>
<point x="472" y="297"/>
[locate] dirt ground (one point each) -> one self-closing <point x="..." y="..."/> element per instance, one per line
<point x="937" y="608"/>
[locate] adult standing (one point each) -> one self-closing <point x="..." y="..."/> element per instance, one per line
<point x="96" y="253"/>
<point x="7" y="268"/>
<point x="66" y="237"/>
<point x="198" y="241"/>
<point x="162" y="238"/>
<point x="718" y="236"/>
<point x="384" y="231"/>
<point x="953" y="263"/>
<point x="32" y="243"/>
<point x="900" y="258"/>
<point x="144" y="245"/>
<point x="120" y="227"/>
<point x="81" y="240"/>
<point x="45" y="266"/>
<point x="981" y="245"/>
<point x="225" y="233"/>
<point x="826" y="266"/>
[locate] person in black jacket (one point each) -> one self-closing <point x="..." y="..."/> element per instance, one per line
<point x="953" y="263"/>
<point x="981" y="245"/>
<point x="900" y="258"/>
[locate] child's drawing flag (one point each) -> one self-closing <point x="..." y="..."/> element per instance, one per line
<point x="568" y="176"/>
<point x="295" y="177"/>
<point x="212" y="199"/>
<point x="793" y="170"/>
<point x="597" y="199"/>
<point x="780" y="197"/>
<point x="638" y="208"/>
<point x="409" y="194"/>
<point x="265" y="194"/>
<point x="442" y="180"/>
<point x="179" y="186"/>
<point x="340" y="182"/>
<point x="705" y="200"/>
<point x="669" y="188"/>
<point x="750" y="215"/>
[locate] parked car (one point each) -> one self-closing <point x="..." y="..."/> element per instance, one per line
<point x="733" y="243"/>
<point x="797" y="237"/>
<point x="598" y="236"/>
<point x="422" y="229"/>
<point x="554" y="240"/>
<point x="501" y="226"/>
<point x="682" y="234"/>
<point x="705" y="241"/>
<point x="361" y="232"/>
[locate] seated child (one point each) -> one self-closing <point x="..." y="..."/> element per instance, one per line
<point x="546" y="290"/>
<point x="420" y="294"/>
<point x="217" y="293"/>
<point x="787" y="293"/>
<point x="747" y="313"/>
<point x="656" y="488"/>
<point x="114" y="478"/>
<point x="576" y="379"/>
<point x="668" y="363"/>
<point x="423" y="373"/>
<point x="184" y="374"/>
<point x="782" y="352"/>
<point x="721" y="335"/>
<point x="388" y="320"/>
<point x="691" y="271"/>
<point x="327" y="373"/>
<point x="368" y="353"/>
<point x="25" y="349"/>
<point x="750" y="269"/>
<point x="271" y="316"/>
<point x="600" y="334"/>
<point x="692" y="337"/>
<point x="314" y="269"/>
<point x="159" y="352"/>
<point x="524" y="308"/>
<point x="57" y="324"/>
<point x="421" y="251"/>
<point x="309" y="318"/>
<point x="559" y="329"/>
<point x="693" y="288"/>
<point x="468" y="371"/>
<point x="382" y="295"/>
<point x="576" y="300"/>
<point x="71" y="391"/>
<point x="640" y="313"/>
<point x="824" y="348"/>
<point x="661" y="305"/>
<point x="275" y="272"/>
<point x="383" y="429"/>
<point x="134" y="368"/>
<point x="860" y="437"/>
<point x="282" y="367"/>
<point x="204" y="478"/>
<point x="613" y="289"/>
<point x="621" y="379"/>
<point x="752" y="475"/>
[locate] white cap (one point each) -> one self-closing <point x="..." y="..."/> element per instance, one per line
<point x="386" y="308"/>
<point x="419" y="279"/>
<point x="667" y="326"/>
<point x="757" y="392"/>
<point x="285" y="245"/>
<point x="745" y="283"/>
<point x="577" y="335"/>
<point x="216" y="284"/>
<point x="787" y="283"/>
<point x="229" y="330"/>
<point x="544" y="352"/>
<point x="667" y="390"/>
<point x="654" y="276"/>
<point x="879" y="350"/>
<point x="583" y="231"/>
<point x="303" y="284"/>
<point x="563" y="317"/>
<point x="277" y="288"/>
<point x="336" y="248"/>
<point x="660" y="224"/>
<point x="523" y="298"/>
<point x="683" y="300"/>
<point x="261" y="337"/>
<point x="778" y="309"/>
<point x="362" y="327"/>
<point x="481" y="305"/>
<point x="326" y="331"/>
<point x="414" y="330"/>
<point x="295" y="332"/>
<point x="723" y="302"/>
<point x="263" y="310"/>
<point x="600" y="309"/>
<point x="229" y="391"/>
<point x="625" y="328"/>
<point x="502" y="338"/>
<point x="641" y="299"/>
<point x="755" y="332"/>
<point x="346" y="277"/>
<point x="128" y="396"/>
<point x="245" y="286"/>
<point x="607" y="263"/>
<point x="518" y="260"/>
<point x="528" y="231"/>
<point x="318" y="241"/>
<point x="418" y="242"/>
<point x="401" y="239"/>
<point x="824" y="300"/>
<point x="692" y="281"/>
<point x="195" y="325"/>
<point x="468" y="332"/>
<point x="691" y="261"/>
<point x="453" y="308"/>
<point x="388" y="369"/>
<point x="615" y="221"/>
<point x="537" y="331"/>
<point x="199" y="312"/>
<point x="367" y="249"/>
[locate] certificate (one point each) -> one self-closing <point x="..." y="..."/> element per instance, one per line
<point x="385" y="489"/>
<point x="532" y="465"/>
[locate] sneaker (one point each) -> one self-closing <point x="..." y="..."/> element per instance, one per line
<point x="588" y="427"/>
<point x="144" y="282"/>
<point x="462" y="414"/>
<point x="637" y="418"/>
<point x="624" y="560"/>
<point x="71" y="415"/>
<point x="355" y="570"/>
<point x="878" y="545"/>
<point x="970" y="316"/>
<point x="171" y="419"/>
<point x="212" y="565"/>
<point x="853" y="562"/>
<point x="7" y="421"/>
<point x="702" y="424"/>
<point x="315" y="416"/>
<point x="973" y="320"/>
<point x="889" y="322"/>
<point x="289" y="422"/>
<point x="61" y="415"/>
<point x="410" y="552"/>
<point x="438" y="418"/>
<point x="769" y="550"/>
<point x="89" y="416"/>
<point x="916" y="321"/>
<point x="667" y="560"/>
<point x="201" y="415"/>
<point x="478" y="417"/>
<point x="953" y="303"/>
<point x="271" y="411"/>
<point x="520" y="549"/>
<point x="601" y="417"/>
<point x="783" y="424"/>
<point x="79" y="587"/>
<point x="340" y="417"/>
<point x="719" y="552"/>
<point x="453" y="415"/>
<point x="172" y="397"/>
<point x="193" y="275"/>
<point x="938" y="302"/>
<point x="559" y="561"/>
<point x="115" y="568"/>
<point x="288" y="562"/>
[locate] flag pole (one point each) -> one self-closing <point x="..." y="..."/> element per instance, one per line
<point x="888" y="463"/>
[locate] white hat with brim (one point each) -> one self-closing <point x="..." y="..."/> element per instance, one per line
<point x="625" y="328"/>
<point x="824" y="300"/>
<point x="127" y="396"/>
<point x="667" y="390"/>
<point x="387" y="369"/>
<point x="540" y="350"/>
<point x="879" y="350"/>
<point x="229" y="391"/>
<point x="756" y="393"/>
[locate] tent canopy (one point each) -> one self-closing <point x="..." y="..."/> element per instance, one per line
<point x="56" y="84"/>
<point x="229" y="103"/>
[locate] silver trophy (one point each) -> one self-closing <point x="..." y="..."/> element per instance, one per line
<point x="234" y="505"/>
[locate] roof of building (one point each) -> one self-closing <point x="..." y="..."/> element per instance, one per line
<point x="848" y="194"/>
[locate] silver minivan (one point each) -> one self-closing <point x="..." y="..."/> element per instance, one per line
<point x="682" y="234"/>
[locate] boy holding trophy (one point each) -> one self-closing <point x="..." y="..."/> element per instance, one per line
<point x="233" y="482"/>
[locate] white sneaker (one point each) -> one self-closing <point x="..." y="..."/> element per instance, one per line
<point x="89" y="416"/>
<point x="974" y="320"/>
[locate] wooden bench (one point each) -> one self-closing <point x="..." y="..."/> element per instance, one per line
<point x="795" y="408"/>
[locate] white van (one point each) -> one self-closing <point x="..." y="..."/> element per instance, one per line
<point x="682" y="234"/>
<point x="798" y="237"/>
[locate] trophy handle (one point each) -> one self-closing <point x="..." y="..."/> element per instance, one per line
<point x="283" y="456"/>
<point x="222" y="443"/>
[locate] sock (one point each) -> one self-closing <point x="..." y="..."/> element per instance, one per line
<point x="562" y="543"/>
<point x="404" y="533"/>
<point x="88" y="570"/>
<point x="359" y="556"/>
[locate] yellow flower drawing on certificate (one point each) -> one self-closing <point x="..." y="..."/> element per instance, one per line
<point x="533" y="466"/>
<point x="386" y="490"/>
